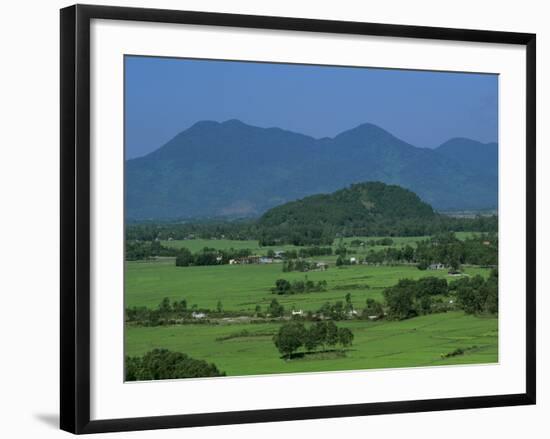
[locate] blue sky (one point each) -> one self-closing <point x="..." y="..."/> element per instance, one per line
<point x="165" y="96"/>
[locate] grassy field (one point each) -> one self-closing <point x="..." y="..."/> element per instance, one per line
<point x="415" y="342"/>
<point x="242" y="287"/>
<point x="195" y="245"/>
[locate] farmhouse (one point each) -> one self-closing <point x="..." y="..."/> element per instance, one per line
<point x="198" y="315"/>
<point x="437" y="266"/>
<point x="266" y="260"/>
<point x="353" y="260"/>
<point x="297" y="313"/>
<point x="248" y="260"/>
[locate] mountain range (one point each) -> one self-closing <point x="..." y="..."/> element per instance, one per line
<point x="235" y="170"/>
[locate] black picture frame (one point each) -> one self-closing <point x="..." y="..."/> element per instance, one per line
<point x="75" y="217"/>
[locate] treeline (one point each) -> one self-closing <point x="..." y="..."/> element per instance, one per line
<point x="371" y="242"/>
<point x="209" y="256"/>
<point x="205" y="229"/>
<point x="312" y="235"/>
<point x="170" y="312"/>
<point x="444" y="248"/>
<point x="476" y="295"/>
<point x="409" y="298"/>
<point x="301" y="265"/>
<point x="162" y="364"/>
<point x="303" y="235"/>
<point x="294" y="335"/>
<point x="283" y="286"/>
<point x="140" y="250"/>
<point x="449" y="250"/>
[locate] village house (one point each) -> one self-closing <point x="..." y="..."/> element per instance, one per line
<point x="247" y="260"/>
<point x="279" y="254"/>
<point x="266" y="260"/>
<point x="198" y="315"/>
<point x="297" y="313"/>
<point x="437" y="266"/>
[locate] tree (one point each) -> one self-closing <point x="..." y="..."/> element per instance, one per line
<point x="219" y="306"/>
<point x="345" y="337"/>
<point x="331" y="334"/>
<point x="471" y="295"/>
<point x="400" y="299"/>
<point x="282" y="286"/>
<point x="184" y="258"/>
<point x="491" y="302"/>
<point x="349" y="305"/>
<point x="431" y="286"/>
<point x="316" y="336"/>
<point x="290" y="338"/>
<point x="164" y="306"/>
<point x="180" y="306"/>
<point x="275" y="309"/>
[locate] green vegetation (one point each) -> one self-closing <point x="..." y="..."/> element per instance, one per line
<point x="138" y="250"/>
<point x="242" y="287"/>
<point x="365" y="209"/>
<point x="393" y="286"/>
<point x="294" y="335"/>
<point x="283" y="286"/>
<point x="161" y="364"/>
<point x="371" y="208"/>
<point x="420" y="341"/>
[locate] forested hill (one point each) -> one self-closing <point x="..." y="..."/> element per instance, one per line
<point x="364" y="209"/>
<point x="235" y="170"/>
<point x="357" y="205"/>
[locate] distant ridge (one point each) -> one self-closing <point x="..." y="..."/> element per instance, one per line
<point x="232" y="170"/>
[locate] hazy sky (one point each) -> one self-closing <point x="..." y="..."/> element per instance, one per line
<point x="165" y="96"/>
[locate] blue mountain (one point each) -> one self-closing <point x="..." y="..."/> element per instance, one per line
<point x="232" y="169"/>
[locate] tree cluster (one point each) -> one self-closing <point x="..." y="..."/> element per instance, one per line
<point x="447" y="249"/>
<point x="209" y="256"/>
<point x="275" y="309"/>
<point x="410" y="298"/>
<point x="283" y="286"/>
<point x="294" y="335"/>
<point x="203" y="229"/>
<point x="476" y="295"/>
<point x="371" y="242"/>
<point x="162" y="364"/>
<point x="300" y="265"/>
<point x="143" y="250"/>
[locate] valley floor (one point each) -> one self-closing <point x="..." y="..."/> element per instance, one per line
<point x="422" y="341"/>
<point x="247" y="348"/>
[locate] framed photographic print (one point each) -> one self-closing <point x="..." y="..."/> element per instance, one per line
<point x="268" y="218"/>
